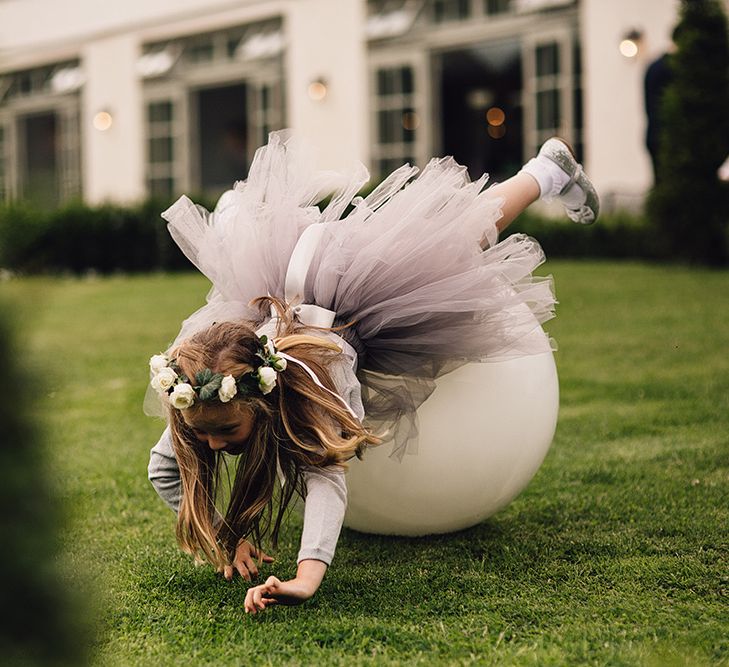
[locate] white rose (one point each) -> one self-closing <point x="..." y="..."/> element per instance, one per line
<point x="182" y="396"/>
<point x="278" y="363"/>
<point x="266" y="379"/>
<point x="269" y="347"/>
<point x="158" y="362"/>
<point x="164" y="380"/>
<point x="227" y="389"/>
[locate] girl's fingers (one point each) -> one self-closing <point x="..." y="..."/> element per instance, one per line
<point x="251" y="565"/>
<point x="262" y="555"/>
<point x="258" y="598"/>
<point x="255" y="600"/>
<point x="228" y="572"/>
<point x="247" y="604"/>
<point x="242" y="570"/>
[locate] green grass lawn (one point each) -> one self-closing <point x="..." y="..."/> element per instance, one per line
<point x="616" y="554"/>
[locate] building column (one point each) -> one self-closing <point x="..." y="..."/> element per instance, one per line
<point x="112" y="159"/>
<point x="326" y="43"/>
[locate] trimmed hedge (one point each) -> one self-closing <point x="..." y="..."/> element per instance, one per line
<point x="615" y="236"/>
<point x="110" y="238"/>
<point x="80" y="238"/>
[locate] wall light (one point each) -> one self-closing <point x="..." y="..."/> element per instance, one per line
<point x="318" y="89"/>
<point x="630" y="44"/>
<point x="103" y="121"/>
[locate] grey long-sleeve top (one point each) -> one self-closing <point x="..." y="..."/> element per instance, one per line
<point x="326" y="497"/>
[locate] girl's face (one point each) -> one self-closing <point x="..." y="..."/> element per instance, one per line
<point x="221" y="427"/>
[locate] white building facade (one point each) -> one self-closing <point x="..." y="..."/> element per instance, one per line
<point x="119" y="101"/>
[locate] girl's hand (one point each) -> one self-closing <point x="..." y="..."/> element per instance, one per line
<point x="298" y="590"/>
<point x="244" y="562"/>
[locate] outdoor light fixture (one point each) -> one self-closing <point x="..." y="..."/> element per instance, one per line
<point x="629" y="46"/>
<point x="318" y="89"/>
<point x="103" y="121"/>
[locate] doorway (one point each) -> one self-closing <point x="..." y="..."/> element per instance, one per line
<point x="480" y="101"/>
<point x="222" y="132"/>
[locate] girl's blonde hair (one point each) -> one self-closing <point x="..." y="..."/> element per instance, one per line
<point x="295" y="426"/>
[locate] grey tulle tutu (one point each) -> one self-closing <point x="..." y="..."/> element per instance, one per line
<point x="403" y="265"/>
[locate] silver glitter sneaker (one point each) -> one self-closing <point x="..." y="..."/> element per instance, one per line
<point x="560" y="153"/>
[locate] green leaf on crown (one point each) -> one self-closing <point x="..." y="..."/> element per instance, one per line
<point x="203" y="377"/>
<point x="210" y="388"/>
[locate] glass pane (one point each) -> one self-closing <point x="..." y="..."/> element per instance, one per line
<point x="497" y="6"/>
<point x="385" y="134"/>
<point x="25" y="83"/>
<point x="160" y="149"/>
<point x="200" y="52"/>
<point x="159" y="112"/>
<point x="548" y="110"/>
<point x="406" y="75"/>
<point x="451" y="10"/>
<point x="547" y="56"/>
<point x="577" y="102"/>
<point x="387" y="82"/>
<point x="161" y="187"/>
<point x="232" y="45"/>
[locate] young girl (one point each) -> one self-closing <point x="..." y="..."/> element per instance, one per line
<point x="318" y="318"/>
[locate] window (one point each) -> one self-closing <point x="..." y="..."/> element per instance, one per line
<point x="548" y="94"/>
<point x="161" y="149"/>
<point x="451" y="10"/>
<point x="40" y="142"/>
<point x="211" y="99"/>
<point x="553" y="96"/>
<point x="397" y="120"/>
<point x="491" y="7"/>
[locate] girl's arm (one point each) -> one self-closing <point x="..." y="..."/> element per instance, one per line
<point x="164" y="473"/>
<point x="309" y="576"/>
<point x="326" y="502"/>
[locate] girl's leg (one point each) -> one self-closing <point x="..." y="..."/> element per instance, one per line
<point x="553" y="173"/>
<point x="518" y="192"/>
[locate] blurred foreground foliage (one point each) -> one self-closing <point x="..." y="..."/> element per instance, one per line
<point x="108" y="239"/>
<point x="41" y="620"/>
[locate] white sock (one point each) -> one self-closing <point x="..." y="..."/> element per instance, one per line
<point x="552" y="180"/>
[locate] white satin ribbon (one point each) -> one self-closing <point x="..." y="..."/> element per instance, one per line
<point x="301" y="258"/>
<point x="316" y="380"/>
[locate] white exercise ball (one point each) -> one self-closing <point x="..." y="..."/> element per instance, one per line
<point x="484" y="432"/>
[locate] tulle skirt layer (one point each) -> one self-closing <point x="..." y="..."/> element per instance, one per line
<point x="404" y="266"/>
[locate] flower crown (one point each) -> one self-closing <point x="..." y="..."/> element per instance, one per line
<point x="171" y="383"/>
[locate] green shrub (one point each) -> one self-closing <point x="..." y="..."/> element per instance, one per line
<point x="689" y="207"/>
<point x="617" y="236"/>
<point x="80" y="238"/>
<point x="110" y="238"/>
